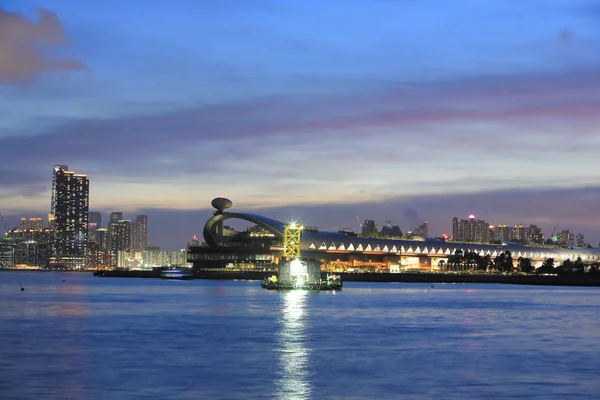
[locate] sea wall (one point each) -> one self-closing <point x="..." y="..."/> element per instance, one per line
<point x="568" y="280"/>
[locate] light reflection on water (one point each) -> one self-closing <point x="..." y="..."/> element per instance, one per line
<point x="293" y="381"/>
<point x="122" y="339"/>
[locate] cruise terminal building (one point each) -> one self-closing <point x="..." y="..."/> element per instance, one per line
<point x="340" y="251"/>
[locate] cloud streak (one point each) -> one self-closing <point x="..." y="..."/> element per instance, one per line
<point x="342" y="144"/>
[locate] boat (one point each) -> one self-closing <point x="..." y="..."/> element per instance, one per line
<point x="332" y="282"/>
<point x="177" y="274"/>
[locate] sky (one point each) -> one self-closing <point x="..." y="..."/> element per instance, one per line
<point x="394" y="110"/>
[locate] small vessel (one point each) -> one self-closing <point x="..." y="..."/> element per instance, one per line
<point x="332" y="282"/>
<point x="177" y="273"/>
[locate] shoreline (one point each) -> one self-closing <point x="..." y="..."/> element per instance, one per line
<point x="535" y="280"/>
<point x="538" y="280"/>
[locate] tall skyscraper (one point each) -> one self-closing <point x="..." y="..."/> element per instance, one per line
<point x="70" y="202"/>
<point x="98" y="253"/>
<point x="56" y="169"/>
<point x="139" y="232"/>
<point x="102" y="239"/>
<point x="121" y="240"/>
<point x="114" y="219"/>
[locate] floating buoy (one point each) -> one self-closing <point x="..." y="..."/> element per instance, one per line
<point x="22" y="289"/>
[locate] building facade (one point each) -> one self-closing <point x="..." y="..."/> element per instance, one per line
<point x="121" y="236"/>
<point x="56" y="170"/>
<point x="114" y="218"/>
<point x="421" y="230"/>
<point x="151" y="258"/>
<point x="470" y="230"/>
<point x="139" y="232"/>
<point x="70" y="218"/>
<point x="342" y="252"/>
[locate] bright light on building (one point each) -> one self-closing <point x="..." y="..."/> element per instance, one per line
<point x="298" y="268"/>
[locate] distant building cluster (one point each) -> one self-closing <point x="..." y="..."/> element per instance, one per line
<point x="151" y="257"/>
<point x="420" y="231"/>
<point x="75" y="237"/>
<point x="369" y="228"/>
<point x="480" y="231"/>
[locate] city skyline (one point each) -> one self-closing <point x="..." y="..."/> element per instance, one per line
<point x="288" y="109"/>
<point x="173" y="233"/>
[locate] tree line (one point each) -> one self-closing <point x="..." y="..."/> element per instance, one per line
<point x="504" y="262"/>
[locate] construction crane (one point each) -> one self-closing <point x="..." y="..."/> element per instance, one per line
<point x="359" y="223"/>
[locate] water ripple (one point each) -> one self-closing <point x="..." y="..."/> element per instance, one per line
<point x="103" y="338"/>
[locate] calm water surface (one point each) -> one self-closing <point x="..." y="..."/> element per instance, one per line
<point x="111" y="338"/>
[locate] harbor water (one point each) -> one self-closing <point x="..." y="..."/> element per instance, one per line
<point x="75" y="336"/>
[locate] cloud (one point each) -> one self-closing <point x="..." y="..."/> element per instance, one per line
<point x="530" y="99"/>
<point x="10" y="177"/>
<point x="412" y="217"/>
<point x="461" y="136"/>
<point x="25" y="46"/>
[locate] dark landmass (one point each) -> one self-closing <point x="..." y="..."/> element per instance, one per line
<point x="566" y="280"/>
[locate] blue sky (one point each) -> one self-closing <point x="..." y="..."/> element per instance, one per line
<point x="317" y="110"/>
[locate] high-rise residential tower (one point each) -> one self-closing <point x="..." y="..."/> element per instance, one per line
<point x="121" y="239"/>
<point x="70" y="201"/>
<point x="470" y="230"/>
<point x="55" y="171"/>
<point x="114" y="219"/>
<point x="139" y="232"/>
<point x="33" y="223"/>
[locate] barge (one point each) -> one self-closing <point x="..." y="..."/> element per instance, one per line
<point x="333" y="282"/>
<point x="302" y="274"/>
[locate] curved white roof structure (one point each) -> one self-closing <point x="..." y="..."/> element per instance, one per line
<point x="338" y="242"/>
